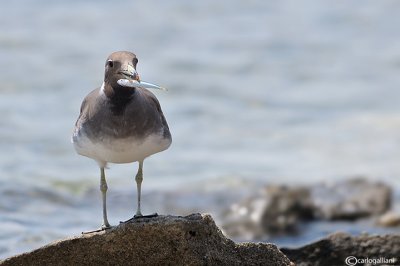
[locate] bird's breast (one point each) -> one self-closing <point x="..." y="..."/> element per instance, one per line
<point x="123" y="150"/>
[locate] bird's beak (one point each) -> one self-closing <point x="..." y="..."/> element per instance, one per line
<point x="133" y="80"/>
<point x="130" y="72"/>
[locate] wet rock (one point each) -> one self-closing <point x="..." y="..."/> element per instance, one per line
<point x="163" y="240"/>
<point x="334" y="250"/>
<point x="274" y="210"/>
<point x="350" y="199"/>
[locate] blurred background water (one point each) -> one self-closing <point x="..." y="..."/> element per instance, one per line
<point x="259" y="92"/>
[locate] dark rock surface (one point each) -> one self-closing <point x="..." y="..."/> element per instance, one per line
<point x="164" y="240"/>
<point x="334" y="250"/>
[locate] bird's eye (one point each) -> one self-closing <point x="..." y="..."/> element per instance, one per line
<point x="110" y="63"/>
<point x="135" y="61"/>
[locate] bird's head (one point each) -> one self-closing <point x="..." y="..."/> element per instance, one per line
<point x="120" y="73"/>
<point x="120" y="65"/>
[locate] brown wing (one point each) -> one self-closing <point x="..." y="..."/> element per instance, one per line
<point x="152" y="98"/>
<point x="85" y="105"/>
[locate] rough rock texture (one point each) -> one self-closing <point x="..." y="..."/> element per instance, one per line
<point x="334" y="250"/>
<point x="164" y="240"/>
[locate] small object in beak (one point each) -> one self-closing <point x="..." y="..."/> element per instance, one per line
<point x="137" y="84"/>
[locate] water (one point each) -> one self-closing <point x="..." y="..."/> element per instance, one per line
<point x="283" y="92"/>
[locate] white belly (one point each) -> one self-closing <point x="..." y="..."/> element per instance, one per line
<point x="120" y="150"/>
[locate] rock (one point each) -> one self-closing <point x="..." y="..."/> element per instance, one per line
<point x="163" y="240"/>
<point x="334" y="250"/>
<point x="350" y="199"/>
<point x="274" y="210"/>
<point x="389" y="219"/>
<point x="279" y="210"/>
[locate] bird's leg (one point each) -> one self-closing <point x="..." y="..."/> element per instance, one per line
<point x="139" y="179"/>
<point x="103" y="189"/>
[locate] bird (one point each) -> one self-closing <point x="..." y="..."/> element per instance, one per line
<point x="121" y="122"/>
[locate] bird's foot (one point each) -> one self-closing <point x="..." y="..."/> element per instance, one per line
<point x="102" y="228"/>
<point x="139" y="216"/>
